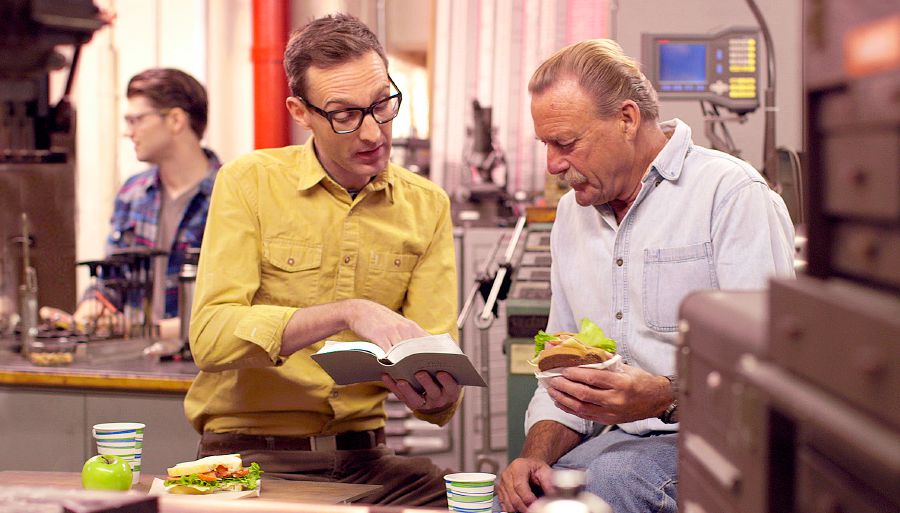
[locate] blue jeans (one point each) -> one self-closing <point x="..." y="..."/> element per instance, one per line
<point x="634" y="474"/>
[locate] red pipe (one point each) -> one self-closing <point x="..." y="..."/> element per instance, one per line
<point x="272" y="124"/>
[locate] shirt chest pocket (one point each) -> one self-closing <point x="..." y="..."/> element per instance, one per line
<point x="388" y="277"/>
<point x="291" y="272"/>
<point x="670" y="274"/>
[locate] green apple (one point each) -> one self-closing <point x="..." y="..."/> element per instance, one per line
<point x="106" y="472"/>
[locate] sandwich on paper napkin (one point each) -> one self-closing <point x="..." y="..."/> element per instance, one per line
<point x="359" y="362"/>
<point x="223" y="476"/>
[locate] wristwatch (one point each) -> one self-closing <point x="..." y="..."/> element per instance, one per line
<point x="670" y="416"/>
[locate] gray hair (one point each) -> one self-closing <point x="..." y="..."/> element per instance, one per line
<point x="604" y="71"/>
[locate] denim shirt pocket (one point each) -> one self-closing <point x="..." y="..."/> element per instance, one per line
<point x="670" y="274"/>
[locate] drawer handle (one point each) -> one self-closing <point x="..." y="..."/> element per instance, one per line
<point x="871" y="250"/>
<point x="843" y="425"/>
<point x="790" y="328"/>
<point x="859" y="177"/>
<point x="713" y="461"/>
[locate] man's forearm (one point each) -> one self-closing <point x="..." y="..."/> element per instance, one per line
<point x="548" y="440"/>
<point x="312" y="324"/>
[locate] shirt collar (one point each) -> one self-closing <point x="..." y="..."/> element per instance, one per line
<point x="152" y="182"/>
<point x="313" y="173"/>
<point x="206" y="185"/>
<point x="670" y="160"/>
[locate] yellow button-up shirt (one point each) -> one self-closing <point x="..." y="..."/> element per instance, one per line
<point x="282" y="235"/>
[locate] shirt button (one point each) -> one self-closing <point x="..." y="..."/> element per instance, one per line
<point x="396" y="262"/>
<point x="334" y="394"/>
<point x="347" y="259"/>
<point x="619" y="315"/>
<point x="290" y="261"/>
<point x="619" y="262"/>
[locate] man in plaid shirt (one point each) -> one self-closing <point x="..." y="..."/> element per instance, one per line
<point x="165" y="206"/>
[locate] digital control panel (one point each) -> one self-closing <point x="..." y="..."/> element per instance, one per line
<point x="722" y="68"/>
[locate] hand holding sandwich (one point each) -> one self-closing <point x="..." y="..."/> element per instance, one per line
<point x="601" y="395"/>
<point x="610" y="397"/>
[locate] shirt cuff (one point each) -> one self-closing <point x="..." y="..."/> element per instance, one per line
<point x="542" y="407"/>
<point x="264" y="326"/>
<point x="441" y="417"/>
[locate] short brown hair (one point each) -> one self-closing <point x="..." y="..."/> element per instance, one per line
<point x="324" y="43"/>
<point x="167" y="88"/>
<point x="604" y="71"/>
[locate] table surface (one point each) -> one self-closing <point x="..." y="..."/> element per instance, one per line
<point x="137" y="374"/>
<point x="278" y="490"/>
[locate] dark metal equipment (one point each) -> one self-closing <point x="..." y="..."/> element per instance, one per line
<point x="790" y="395"/>
<point x="37" y="154"/>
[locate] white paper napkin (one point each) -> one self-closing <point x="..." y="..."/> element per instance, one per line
<point x="159" y="488"/>
<point x="613" y="364"/>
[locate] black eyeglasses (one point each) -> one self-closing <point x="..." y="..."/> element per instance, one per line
<point x="132" y="120"/>
<point x="345" y="121"/>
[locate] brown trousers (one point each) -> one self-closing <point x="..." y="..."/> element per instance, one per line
<point x="405" y="481"/>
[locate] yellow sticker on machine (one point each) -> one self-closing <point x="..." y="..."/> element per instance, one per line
<point x="519" y="354"/>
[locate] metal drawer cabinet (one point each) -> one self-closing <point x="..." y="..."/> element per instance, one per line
<point x="695" y="495"/>
<point x="842" y="338"/>
<point x="861" y="179"/>
<point x="823" y="487"/>
<point x="724" y="434"/>
<point x="868" y="252"/>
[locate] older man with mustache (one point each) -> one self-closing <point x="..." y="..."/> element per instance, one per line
<point x="651" y="217"/>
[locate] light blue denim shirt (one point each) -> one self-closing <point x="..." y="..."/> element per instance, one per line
<point x="702" y="220"/>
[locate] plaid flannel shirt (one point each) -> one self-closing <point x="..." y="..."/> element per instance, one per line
<point x="135" y="221"/>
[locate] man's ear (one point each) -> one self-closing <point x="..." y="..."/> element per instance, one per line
<point x="630" y="118"/>
<point x="178" y="119"/>
<point x="298" y="111"/>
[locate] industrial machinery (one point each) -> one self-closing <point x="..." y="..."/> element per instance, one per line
<point x="723" y="70"/>
<point x="37" y="154"/>
<point x="527" y="311"/>
<point x="493" y="287"/>
<point x="789" y="395"/>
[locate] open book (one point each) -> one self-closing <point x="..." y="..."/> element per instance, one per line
<point x="358" y="362"/>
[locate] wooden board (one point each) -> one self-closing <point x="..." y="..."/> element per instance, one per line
<point x="273" y="489"/>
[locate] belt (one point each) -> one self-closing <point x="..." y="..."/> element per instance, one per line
<point x="222" y="443"/>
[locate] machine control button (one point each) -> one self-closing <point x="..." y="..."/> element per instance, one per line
<point x="719" y="87"/>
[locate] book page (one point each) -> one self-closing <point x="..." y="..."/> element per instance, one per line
<point x="357" y="362"/>
<point x="358" y="345"/>
<point x="443" y="343"/>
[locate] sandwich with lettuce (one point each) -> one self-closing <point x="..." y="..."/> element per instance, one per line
<point x="222" y="473"/>
<point x="566" y="349"/>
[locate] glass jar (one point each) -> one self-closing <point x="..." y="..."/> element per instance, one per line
<point x="51" y="352"/>
<point x="570" y="496"/>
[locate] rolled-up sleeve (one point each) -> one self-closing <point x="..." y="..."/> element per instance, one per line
<point x="227" y="331"/>
<point x="542" y="407"/>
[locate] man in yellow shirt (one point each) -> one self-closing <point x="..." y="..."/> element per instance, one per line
<point x="325" y="240"/>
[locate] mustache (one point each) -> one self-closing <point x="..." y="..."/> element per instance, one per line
<point x="574" y="177"/>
